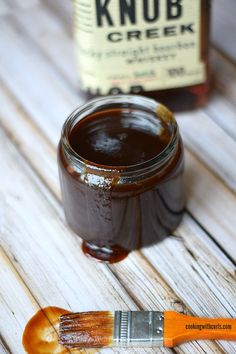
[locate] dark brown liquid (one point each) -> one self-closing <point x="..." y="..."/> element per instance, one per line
<point x="41" y="333"/>
<point x="111" y="254"/>
<point x="118" y="140"/>
<point x="87" y="329"/>
<point x="111" y="217"/>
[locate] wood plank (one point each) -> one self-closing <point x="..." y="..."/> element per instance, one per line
<point x="223" y="26"/>
<point x="17" y="306"/>
<point x="193" y="252"/>
<point x="22" y="4"/>
<point x="16" y="312"/>
<point x="224" y="75"/>
<point x="63" y="9"/>
<point x="52" y="39"/>
<point x="3" y="348"/>
<point x="9" y="6"/>
<point x="222" y="112"/>
<point x="41" y="88"/>
<point x="187" y="263"/>
<point x="4" y="9"/>
<point x="211" y="203"/>
<point x="29" y="139"/>
<point x="210" y="144"/>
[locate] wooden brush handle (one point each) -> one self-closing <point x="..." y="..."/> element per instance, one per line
<point x="179" y="328"/>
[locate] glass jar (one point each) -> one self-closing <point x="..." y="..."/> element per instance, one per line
<point x="121" y="200"/>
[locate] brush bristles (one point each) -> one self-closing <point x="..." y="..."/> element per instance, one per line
<point x="87" y="329"/>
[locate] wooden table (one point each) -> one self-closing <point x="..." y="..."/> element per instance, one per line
<point x="41" y="262"/>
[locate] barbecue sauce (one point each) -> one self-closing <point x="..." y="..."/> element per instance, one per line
<point x="41" y="334"/>
<point x="117" y="140"/>
<point x="114" y="214"/>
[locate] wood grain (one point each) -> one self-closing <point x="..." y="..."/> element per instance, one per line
<point x="41" y="262"/>
<point x="29" y="139"/>
<point x="17" y="305"/>
<point x="210" y="144"/>
<point x="40" y="81"/>
<point x="9" y="6"/>
<point x="223" y="26"/>
<point x="51" y="37"/>
<point x="224" y="75"/>
<point x="211" y="203"/>
<point x="222" y="112"/>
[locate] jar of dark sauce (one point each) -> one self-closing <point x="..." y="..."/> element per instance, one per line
<point x="121" y="173"/>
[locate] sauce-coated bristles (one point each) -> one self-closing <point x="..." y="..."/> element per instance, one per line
<point x="87" y="329"/>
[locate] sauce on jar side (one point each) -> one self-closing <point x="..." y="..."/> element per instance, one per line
<point x="114" y="217"/>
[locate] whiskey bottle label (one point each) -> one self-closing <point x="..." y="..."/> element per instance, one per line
<point x="128" y="46"/>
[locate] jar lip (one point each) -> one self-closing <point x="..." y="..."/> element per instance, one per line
<point x="119" y="101"/>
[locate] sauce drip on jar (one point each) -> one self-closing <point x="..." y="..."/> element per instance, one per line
<point x="121" y="169"/>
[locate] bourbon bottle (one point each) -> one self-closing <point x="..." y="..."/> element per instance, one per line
<point x="157" y="48"/>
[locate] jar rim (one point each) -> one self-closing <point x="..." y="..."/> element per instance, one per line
<point x="121" y="101"/>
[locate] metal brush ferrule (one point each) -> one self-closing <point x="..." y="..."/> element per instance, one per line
<point x="138" y="329"/>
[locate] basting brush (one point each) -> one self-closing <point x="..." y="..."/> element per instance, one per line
<point x="140" y="329"/>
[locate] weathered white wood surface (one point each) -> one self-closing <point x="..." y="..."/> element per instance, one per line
<point x="224" y="25"/>
<point x="41" y="262"/>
